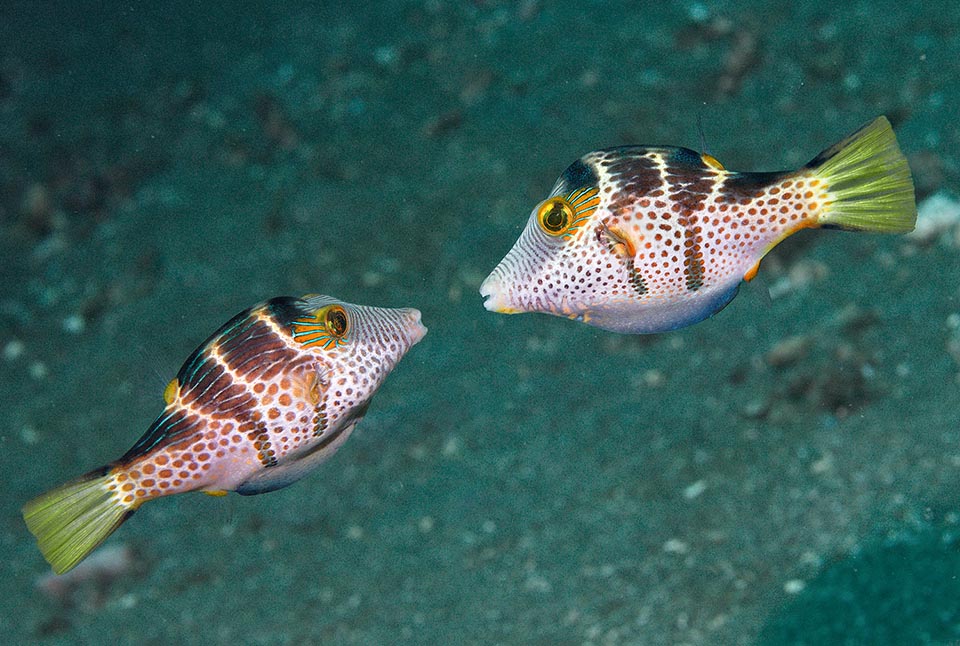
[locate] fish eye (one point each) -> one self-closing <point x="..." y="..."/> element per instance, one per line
<point x="336" y="321"/>
<point x="555" y="216"/>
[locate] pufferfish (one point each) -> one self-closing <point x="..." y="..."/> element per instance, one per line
<point x="641" y="239"/>
<point x="264" y="400"/>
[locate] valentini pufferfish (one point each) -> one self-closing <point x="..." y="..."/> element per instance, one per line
<point x="641" y="239"/>
<point x="263" y="401"/>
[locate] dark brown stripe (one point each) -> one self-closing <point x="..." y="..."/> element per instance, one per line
<point x="260" y="437"/>
<point x="689" y="188"/>
<point x="633" y="172"/>
<point x="320" y="419"/>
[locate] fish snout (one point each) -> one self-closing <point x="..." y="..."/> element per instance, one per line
<point x="495" y="299"/>
<point x="415" y="330"/>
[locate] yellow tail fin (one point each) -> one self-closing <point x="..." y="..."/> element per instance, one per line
<point x="73" y="519"/>
<point x="868" y="181"/>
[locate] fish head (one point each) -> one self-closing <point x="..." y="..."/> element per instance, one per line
<point x="571" y="259"/>
<point x="356" y="345"/>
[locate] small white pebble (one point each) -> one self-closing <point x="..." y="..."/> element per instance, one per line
<point x="698" y="12"/>
<point x="822" y="465"/>
<point x="536" y="583"/>
<point x="426" y="524"/>
<point x="937" y="215"/>
<point x="38" y="370"/>
<point x="74" y="324"/>
<point x="127" y="601"/>
<point x="794" y="586"/>
<point x="488" y="526"/>
<point x="354" y="532"/>
<point x="385" y="55"/>
<point x="675" y="546"/>
<point x="13" y="350"/>
<point x="451" y="448"/>
<point x="372" y="279"/>
<point x="653" y="378"/>
<point x="29" y="435"/>
<point x="695" y="489"/>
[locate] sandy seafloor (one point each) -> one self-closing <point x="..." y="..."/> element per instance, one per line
<point x="521" y="479"/>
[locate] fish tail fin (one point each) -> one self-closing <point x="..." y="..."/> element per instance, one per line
<point x="868" y="182"/>
<point x="70" y="521"/>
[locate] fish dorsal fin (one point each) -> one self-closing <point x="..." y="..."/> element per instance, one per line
<point x="711" y="161"/>
<point x="707" y="159"/>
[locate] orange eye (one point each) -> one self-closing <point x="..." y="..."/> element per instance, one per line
<point x="555" y="216"/>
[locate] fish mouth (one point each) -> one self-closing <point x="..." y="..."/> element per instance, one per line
<point x="493" y="297"/>
<point x="416" y="329"/>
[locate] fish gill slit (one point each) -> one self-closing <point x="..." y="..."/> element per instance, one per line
<point x="620" y="245"/>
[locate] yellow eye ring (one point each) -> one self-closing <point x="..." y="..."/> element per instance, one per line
<point x="327" y="328"/>
<point x="555" y="216"/>
<point x="336" y="321"/>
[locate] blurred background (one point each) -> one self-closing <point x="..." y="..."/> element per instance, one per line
<point x="786" y="472"/>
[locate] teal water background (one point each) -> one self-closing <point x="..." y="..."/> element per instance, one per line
<point x="517" y="480"/>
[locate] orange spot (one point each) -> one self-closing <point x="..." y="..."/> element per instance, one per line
<point x="165" y="473"/>
<point x="161" y="459"/>
<point x="127" y="487"/>
<point x="149" y="482"/>
<point x="148" y="468"/>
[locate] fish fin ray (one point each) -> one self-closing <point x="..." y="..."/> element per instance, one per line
<point x="72" y="520"/>
<point x="869" y="184"/>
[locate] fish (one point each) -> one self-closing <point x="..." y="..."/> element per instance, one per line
<point x="649" y="239"/>
<point x="263" y="401"/>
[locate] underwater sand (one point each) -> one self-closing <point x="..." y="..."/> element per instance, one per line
<point x="784" y="473"/>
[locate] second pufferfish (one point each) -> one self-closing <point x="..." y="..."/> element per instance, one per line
<point x="261" y="403"/>
<point x="641" y="239"/>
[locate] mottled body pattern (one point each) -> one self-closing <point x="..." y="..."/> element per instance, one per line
<point x="265" y="399"/>
<point x="671" y="234"/>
